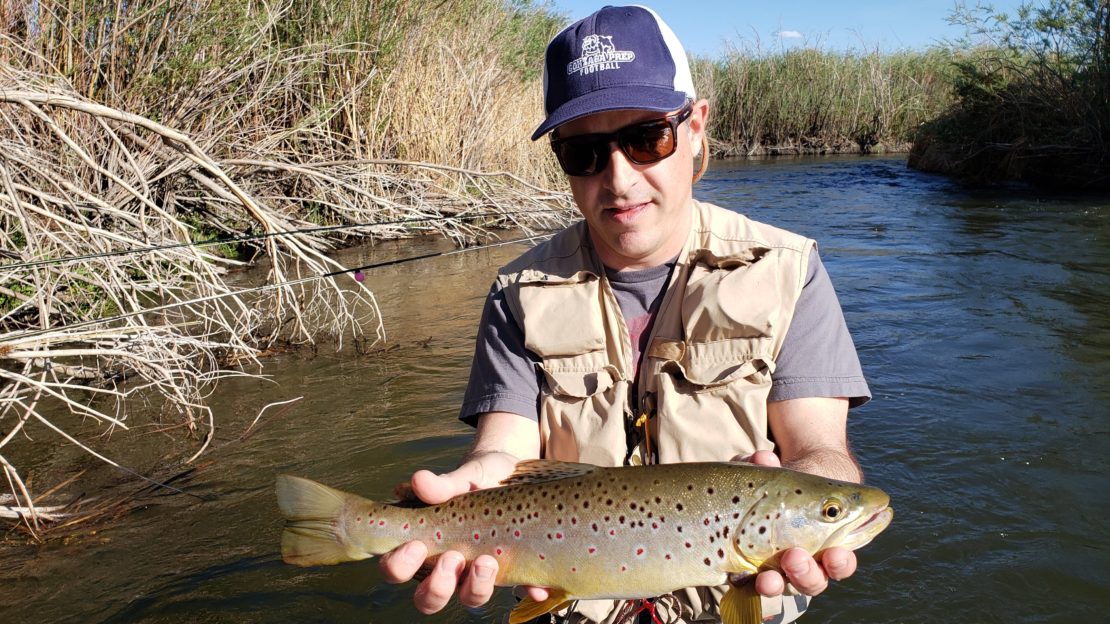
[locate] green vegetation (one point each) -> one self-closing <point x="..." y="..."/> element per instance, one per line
<point x="1032" y="99"/>
<point x="813" y="101"/>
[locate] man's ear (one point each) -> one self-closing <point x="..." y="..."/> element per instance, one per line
<point x="699" y="117"/>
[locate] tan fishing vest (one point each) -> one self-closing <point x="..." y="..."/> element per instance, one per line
<point x="706" y="372"/>
<point x="710" y="358"/>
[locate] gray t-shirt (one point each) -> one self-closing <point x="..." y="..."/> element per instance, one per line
<point x="817" y="359"/>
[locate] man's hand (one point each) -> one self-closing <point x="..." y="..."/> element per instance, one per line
<point x="486" y="468"/>
<point x="806" y="574"/>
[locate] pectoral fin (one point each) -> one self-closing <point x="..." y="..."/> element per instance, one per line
<point x="529" y="609"/>
<point x="741" y="605"/>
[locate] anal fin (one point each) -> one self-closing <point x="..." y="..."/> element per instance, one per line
<point x="529" y="609"/>
<point x="742" y="605"/>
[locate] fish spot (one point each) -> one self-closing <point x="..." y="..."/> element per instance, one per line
<point x="726" y="531"/>
<point x="585" y="504"/>
<point x="574" y="570"/>
<point x="542" y="557"/>
<point x="690" y="487"/>
<point x="632" y="506"/>
<point x="706" y="522"/>
<point x="736" y="515"/>
<point x="573" y="520"/>
<point x="720" y="553"/>
<point x="679" y="507"/>
<point x="594" y="527"/>
<point x="592" y="550"/>
<point x="762" y="530"/>
<point x="735" y="500"/>
<point x="798" y="492"/>
<point x="559" y="507"/>
<point x="439" y="536"/>
<point x="620" y="520"/>
<point x="381" y="522"/>
<point x="359" y="518"/>
<point x="609" y="502"/>
<point x="711" y="539"/>
<point x="689" y="545"/>
<point x="559" y="537"/>
<point x="640" y="550"/>
<point x="477" y="537"/>
<point x="680" y="528"/>
<point x="624" y="568"/>
<point x="709" y="491"/>
<point x="499" y="552"/>
<point x="499" y="512"/>
<point x="420" y="521"/>
<point x="667" y="556"/>
<point x="707" y="562"/>
<point x="612" y="532"/>
<point x="657" y="499"/>
<point x="406" y="527"/>
<point x="485" y="512"/>
<point x="654" y="526"/>
<point x="516" y="534"/>
<point x="559" y="521"/>
<point x="493" y="533"/>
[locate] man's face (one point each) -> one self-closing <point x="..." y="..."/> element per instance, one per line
<point x="638" y="215"/>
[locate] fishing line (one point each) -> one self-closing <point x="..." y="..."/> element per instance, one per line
<point x="242" y="238"/>
<point x="358" y="275"/>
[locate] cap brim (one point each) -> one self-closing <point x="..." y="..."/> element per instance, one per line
<point x="622" y="98"/>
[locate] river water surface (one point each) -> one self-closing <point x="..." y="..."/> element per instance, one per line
<point x="982" y="319"/>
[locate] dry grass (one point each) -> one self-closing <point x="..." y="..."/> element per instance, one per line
<point x="190" y="121"/>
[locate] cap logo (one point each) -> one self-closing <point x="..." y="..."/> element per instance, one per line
<point x="599" y="54"/>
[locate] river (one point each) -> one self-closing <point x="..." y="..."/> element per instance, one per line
<point x="982" y="319"/>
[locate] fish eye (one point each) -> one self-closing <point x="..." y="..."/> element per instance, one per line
<point x="831" y="510"/>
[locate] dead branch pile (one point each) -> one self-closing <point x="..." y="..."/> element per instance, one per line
<point x="84" y="328"/>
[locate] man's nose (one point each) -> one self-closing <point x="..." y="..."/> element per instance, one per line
<point x="621" y="173"/>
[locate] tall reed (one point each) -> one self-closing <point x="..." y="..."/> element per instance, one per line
<point x="816" y="101"/>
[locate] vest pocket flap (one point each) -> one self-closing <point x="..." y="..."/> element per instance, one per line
<point x="561" y="316"/>
<point x="722" y="361"/>
<point x="543" y="278"/>
<point x="580" y="384"/>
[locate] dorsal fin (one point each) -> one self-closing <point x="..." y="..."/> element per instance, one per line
<point x="540" y="470"/>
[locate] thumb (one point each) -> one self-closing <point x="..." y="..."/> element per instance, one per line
<point x="435" y="489"/>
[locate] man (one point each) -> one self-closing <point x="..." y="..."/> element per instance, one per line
<point x="658" y="329"/>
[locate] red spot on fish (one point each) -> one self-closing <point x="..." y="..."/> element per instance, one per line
<point x="542" y="558"/>
<point x="612" y="532"/>
<point x="477" y="537"/>
<point x="591" y="550"/>
<point x="639" y="551"/>
<point x="594" y="527"/>
<point x="420" y="521"/>
<point x="574" y="520"/>
<point x="381" y="522"/>
<point x="574" y="569"/>
<point x="516" y="534"/>
<point x="624" y="568"/>
<point x="439" y="535"/>
<point x="707" y="522"/>
<point x="667" y="556"/>
<point x="655" y="525"/>
<point x="499" y="552"/>
<point x="406" y="527"/>
<point x="558" y="536"/>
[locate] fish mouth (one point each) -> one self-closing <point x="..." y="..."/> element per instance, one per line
<point x="860" y="533"/>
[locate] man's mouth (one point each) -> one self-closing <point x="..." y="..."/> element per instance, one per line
<point x="626" y="213"/>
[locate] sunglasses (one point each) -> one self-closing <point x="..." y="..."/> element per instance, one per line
<point x="642" y="143"/>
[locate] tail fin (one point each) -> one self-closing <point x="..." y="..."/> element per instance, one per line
<point x="314" y="533"/>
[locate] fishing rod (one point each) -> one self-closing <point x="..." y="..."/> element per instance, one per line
<point x="358" y="275"/>
<point x="242" y="238"/>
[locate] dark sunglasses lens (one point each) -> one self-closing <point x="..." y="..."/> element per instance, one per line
<point x="648" y="143"/>
<point x="581" y="157"/>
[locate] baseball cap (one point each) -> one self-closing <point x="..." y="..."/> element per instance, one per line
<point x="618" y="58"/>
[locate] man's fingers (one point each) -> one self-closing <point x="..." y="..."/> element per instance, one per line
<point x="803" y="572"/>
<point x="477" y="587"/>
<point x="770" y="584"/>
<point x="539" y="594"/>
<point x="839" y="563"/>
<point x="400" y="564"/>
<point x="436" y="590"/>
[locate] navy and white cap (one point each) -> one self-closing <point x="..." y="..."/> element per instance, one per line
<point x="617" y="58"/>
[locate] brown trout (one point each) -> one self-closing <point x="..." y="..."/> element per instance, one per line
<point x="589" y="532"/>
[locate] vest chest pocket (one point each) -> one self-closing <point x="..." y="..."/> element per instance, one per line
<point x="562" y="314"/>
<point x="712" y="397"/>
